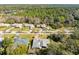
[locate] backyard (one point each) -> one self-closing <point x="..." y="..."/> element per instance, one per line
<point x="3" y="28"/>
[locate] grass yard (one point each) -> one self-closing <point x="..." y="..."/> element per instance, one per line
<point x="25" y="29"/>
<point x="31" y="36"/>
<point x="36" y="30"/>
<point x="16" y="29"/>
<point x="77" y="41"/>
<point x="21" y="29"/>
<point x="9" y="35"/>
<point x="43" y="36"/>
<point x="27" y="36"/>
<point x="2" y="28"/>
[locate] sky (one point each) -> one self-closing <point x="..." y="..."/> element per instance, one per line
<point x="39" y="1"/>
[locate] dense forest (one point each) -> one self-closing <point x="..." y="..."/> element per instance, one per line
<point x="53" y="16"/>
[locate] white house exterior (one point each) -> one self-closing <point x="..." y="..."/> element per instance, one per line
<point x="29" y="25"/>
<point x="41" y="25"/>
<point x="40" y="43"/>
<point x="3" y="24"/>
<point x="1" y="39"/>
<point x="17" y="25"/>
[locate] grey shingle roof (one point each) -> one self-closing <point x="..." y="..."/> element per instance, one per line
<point x="39" y="43"/>
<point x="44" y="42"/>
<point x="18" y="41"/>
<point x="1" y="39"/>
<point x="36" y="43"/>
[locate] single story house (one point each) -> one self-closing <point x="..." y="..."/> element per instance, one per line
<point x="31" y="26"/>
<point x="41" y="25"/>
<point x="40" y="43"/>
<point x="19" y="41"/>
<point x="3" y="24"/>
<point x="67" y="31"/>
<point x="16" y="25"/>
<point x="1" y="39"/>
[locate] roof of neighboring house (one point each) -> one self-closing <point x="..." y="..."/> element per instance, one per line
<point x="39" y="43"/>
<point x="18" y="41"/>
<point x="28" y="24"/>
<point x="1" y="39"/>
<point x="45" y="42"/>
<point x="3" y="24"/>
<point x="36" y="43"/>
<point x="15" y="24"/>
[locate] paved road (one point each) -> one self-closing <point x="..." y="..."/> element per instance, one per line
<point x="30" y="32"/>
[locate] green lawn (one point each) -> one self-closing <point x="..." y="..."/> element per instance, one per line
<point x="31" y="36"/>
<point x="25" y="29"/>
<point x="43" y="36"/>
<point x="16" y="29"/>
<point x="21" y="29"/>
<point x="27" y="36"/>
<point x="9" y="35"/>
<point x="36" y="30"/>
<point x="2" y="28"/>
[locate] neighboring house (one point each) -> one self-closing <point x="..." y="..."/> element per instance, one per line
<point x="31" y="26"/>
<point x="36" y="43"/>
<point x="67" y="31"/>
<point x="3" y="24"/>
<point x="7" y="25"/>
<point x="19" y="41"/>
<point x="44" y="43"/>
<point x="41" y="25"/>
<point x="16" y="25"/>
<point x="40" y="43"/>
<point x="1" y="39"/>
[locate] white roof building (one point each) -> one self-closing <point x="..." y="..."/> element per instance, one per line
<point x="3" y="24"/>
<point x="41" y="25"/>
<point x="40" y="43"/>
<point x="1" y="39"/>
<point x="29" y="25"/>
<point x="17" y="25"/>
